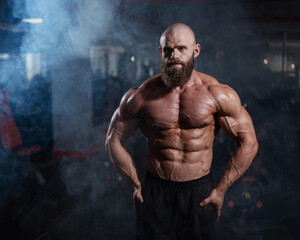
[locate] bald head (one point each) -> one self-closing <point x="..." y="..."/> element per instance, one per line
<point x="178" y="30"/>
<point x="178" y="42"/>
<point x="178" y="51"/>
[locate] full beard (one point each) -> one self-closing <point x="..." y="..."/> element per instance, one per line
<point x="173" y="77"/>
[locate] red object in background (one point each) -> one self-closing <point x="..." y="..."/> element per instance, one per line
<point x="28" y="150"/>
<point x="248" y="179"/>
<point x="245" y="210"/>
<point x="11" y="138"/>
<point x="259" y="204"/>
<point x="9" y="133"/>
<point x="230" y="204"/>
<point x="79" y="155"/>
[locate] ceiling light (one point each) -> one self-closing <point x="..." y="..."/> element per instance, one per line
<point x="32" y="20"/>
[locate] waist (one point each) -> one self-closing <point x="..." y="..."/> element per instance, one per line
<point x="176" y="184"/>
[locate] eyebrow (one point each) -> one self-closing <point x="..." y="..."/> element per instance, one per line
<point x="181" y="46"/>
<point x="177" y="46"/>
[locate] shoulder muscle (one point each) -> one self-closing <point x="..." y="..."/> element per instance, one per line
<point x="227" y="100"/>
<point x="130" y="104"/>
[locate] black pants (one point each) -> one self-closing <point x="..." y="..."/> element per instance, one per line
<point x="171" y="210"/>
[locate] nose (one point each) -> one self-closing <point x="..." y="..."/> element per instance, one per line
<point x="175" y="54"/>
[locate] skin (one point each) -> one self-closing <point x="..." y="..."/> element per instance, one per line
<point x="180" y="123"/>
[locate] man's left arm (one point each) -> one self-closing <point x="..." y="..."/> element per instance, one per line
<point x="235" y="122"/>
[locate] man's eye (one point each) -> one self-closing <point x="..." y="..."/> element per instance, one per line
<point x="181" y="48"/>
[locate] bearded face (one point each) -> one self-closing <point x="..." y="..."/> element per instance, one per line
<point x="173" y="76"/>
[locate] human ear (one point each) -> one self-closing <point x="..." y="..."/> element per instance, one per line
<point x="197" y="49"/>
<point x="160" y="49"/>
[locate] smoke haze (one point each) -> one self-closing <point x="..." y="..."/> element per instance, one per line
<point x="66" y="76"/>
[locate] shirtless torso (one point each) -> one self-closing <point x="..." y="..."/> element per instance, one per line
<point x="179" y="127"/>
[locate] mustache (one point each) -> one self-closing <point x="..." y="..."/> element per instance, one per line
<point x="171" y="62"/>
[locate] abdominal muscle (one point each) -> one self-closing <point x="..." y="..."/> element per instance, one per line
<point x="181" y="155"/>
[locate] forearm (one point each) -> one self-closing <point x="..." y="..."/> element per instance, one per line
<point x="123" y="161"/>
<point x="238" y="164"/>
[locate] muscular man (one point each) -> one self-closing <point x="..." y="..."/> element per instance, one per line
<point x="179" y="112"/>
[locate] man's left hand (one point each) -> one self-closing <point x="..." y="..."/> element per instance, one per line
<point x="216" y="197"/>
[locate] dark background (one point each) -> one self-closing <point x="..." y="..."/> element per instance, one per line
<point x="68" y="189"/>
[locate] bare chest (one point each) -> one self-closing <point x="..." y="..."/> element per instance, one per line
<point x="193" y="108"/>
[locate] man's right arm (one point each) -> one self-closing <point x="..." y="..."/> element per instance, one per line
<point x="124" y="124"/>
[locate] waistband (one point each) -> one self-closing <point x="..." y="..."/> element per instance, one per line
<point x="175" y="184"/>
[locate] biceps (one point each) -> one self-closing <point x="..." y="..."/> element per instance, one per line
<point x="122" y="128"/>
<point x="125" y="129"/>
<point x="239" y="127"/>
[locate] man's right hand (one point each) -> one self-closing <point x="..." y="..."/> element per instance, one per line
<point x="137" y="196"/>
